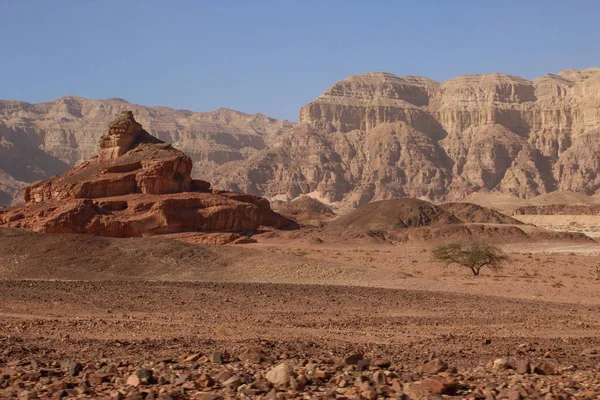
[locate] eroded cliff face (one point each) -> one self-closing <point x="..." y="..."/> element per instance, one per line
<point x="40" y="140"/>
<point x="137" y="186"/>
<point x="370" y="137"/>
<point x="377" y="136"/>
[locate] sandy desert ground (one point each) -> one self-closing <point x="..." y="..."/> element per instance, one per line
<point x="85" y="316"/>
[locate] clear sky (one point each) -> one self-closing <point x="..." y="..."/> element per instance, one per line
<point x="275" y="56"/>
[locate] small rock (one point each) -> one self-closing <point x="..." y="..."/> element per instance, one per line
<point x="353" y="359"/>
<point x="224" y="375"/>
<point x="415" y="391"/>
<point x="544" y="368"/>
<point x="233" y="383"/>
<point x="73" y="367"/>
<point x="193" y="357"/>
<point x="321" y="375"/>
<point x="509" y="394"/>
<point x="500" y="364"/>
<point x="253" y="355"/>
<point x="280" y="375"/>
<point x="522" y="367"/>
<point x="435" y="366"/>
<point x="363" y="364"/>
<point x="208" y="396"/>
<point x="379" y="378"/>
<point x="216" y="357"/>
<point x="146" y="376"/>
<point x="134" y="381"/>
<point x="181" y="379"/>
<point x="435" y="386"/>
<point x="205" y="381"/>
<point x="97" y="378"/>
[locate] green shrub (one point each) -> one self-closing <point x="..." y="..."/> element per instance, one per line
<point x="473" y="255"/>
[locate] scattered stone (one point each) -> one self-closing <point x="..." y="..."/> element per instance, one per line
<point x="415" y="391"/>
<point x="522" y="366"/>
<point x="280" y="375"/>
<point x="205" y="380"/>
<point x="369" y="394"/>
<point x="72" y="366"/>
<point x="133" y="380"/>
<point x="253" y="355"/>
<point x="363" y="364"/>
<point x="435" y="386"/>
<point x="500" y="364"/>
<point x="217" y="358"/>
<point x="544" y="368"/>
<point x="146" y="376"/>
<point x="352" y="359"/>
<point x="434" y="366"/>
<point x="193" y="357"/>
<point x="233" y="383"/>
<point x="98" y="378"/>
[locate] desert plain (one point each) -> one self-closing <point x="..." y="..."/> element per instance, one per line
<point x="307" y="270"/>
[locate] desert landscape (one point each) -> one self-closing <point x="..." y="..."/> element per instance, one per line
<point x="277" y="200"/>
<point x="143" y="271"/>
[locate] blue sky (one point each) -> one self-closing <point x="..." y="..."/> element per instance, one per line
<point x="275" y="56"/>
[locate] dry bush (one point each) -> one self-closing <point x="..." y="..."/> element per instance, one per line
<point x="473" y="255"/>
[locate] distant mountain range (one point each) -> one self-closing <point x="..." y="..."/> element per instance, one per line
<point x="369" y="137"/>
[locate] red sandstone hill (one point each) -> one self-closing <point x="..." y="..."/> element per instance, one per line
<point x="137" y="186"/>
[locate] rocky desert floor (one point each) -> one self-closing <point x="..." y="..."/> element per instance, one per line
<point x="87" y="317"/>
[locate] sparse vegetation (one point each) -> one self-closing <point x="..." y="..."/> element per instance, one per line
<point x="474" y="255"/>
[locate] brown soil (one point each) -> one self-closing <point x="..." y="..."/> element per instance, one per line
<point x="126" y="304"/>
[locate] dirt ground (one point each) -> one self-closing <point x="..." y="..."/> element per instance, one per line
<point x="297" y="301"/>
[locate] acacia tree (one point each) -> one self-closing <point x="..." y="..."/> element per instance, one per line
<point x="474" y="255"/>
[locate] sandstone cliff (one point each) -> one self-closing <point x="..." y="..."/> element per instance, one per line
<point x="137" y="186"/>
<point x="40" y="140"/>
<point x="378" y="136"/>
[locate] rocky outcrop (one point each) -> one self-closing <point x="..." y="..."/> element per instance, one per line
<point x="475" y="214"/>
<point x="391" y="215"/>
<point x="136" y="186"/>
<point x="378" y="136"/>
<point x="40" y="140"/>
<point x="305" y="205"/>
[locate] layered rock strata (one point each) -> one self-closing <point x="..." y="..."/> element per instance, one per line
<point x="378" y="136"/>
<point x="40" y="140"/>
<point x="137" y="186"/>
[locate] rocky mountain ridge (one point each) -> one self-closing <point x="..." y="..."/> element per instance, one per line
<point x="370" y="137"/>
<point x="378" y="136"/>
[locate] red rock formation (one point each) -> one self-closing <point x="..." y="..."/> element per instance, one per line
<point x="137" y="186"/>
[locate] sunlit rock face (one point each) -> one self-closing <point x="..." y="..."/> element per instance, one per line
<point x="378" y="136"/>
<point x="136" y="186"/>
